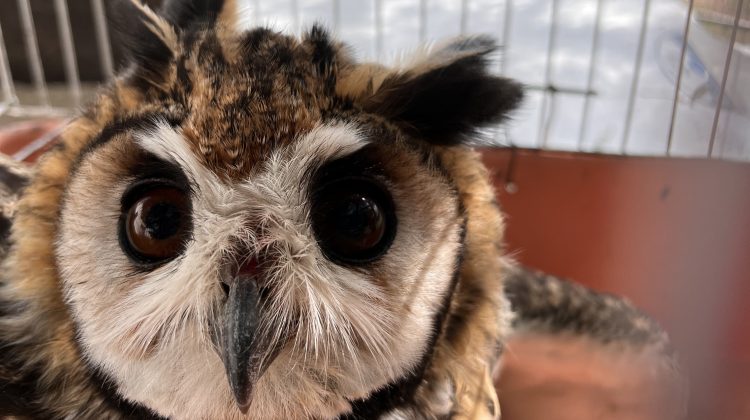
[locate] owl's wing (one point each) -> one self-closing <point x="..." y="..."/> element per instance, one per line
<point x="556" y="309"/>
<point x="548" y="304"/>
<point x="13" y="178"/>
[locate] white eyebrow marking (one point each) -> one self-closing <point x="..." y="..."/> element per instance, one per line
<point x="168" y="143"/>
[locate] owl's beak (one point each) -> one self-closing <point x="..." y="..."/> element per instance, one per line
<point x="240" y="344"/>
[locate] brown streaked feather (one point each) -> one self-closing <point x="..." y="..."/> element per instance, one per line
<point x="549" y="307"/>
<point x="545" y="303"/>
<point x="14" y="177"/>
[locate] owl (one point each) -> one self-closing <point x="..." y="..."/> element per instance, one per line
<point x="246" y="224"/>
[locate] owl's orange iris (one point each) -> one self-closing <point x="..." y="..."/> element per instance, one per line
<point x="156" y="224"/>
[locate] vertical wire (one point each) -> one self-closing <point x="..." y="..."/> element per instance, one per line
<point x="294" y="4"/>
<point x="32" y="51"/>
<point x="636" y="75"/>
<point x="378" y="29"/>
<point x="256" y="12"/>
<point x="464" y="16"/>
<point x="102" y="39"/>
<point x="725" y="76"/>
<point x="507" y="22"/>
<point x="6" y="78"/>
<point x="422" y="21"/>
<point x="676" y="100"/>
<point x="548" y="100"/>
<point x="336" y="4"/>
<point x="726" y="116"/>
<point x="68" y="50"/>
<point x="592" y="72"/>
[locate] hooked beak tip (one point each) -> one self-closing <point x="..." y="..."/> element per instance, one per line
<point x="242" y="391"/>
<point x="243" y="403"/>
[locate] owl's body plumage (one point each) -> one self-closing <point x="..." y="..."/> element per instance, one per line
<point x="249" y="305"/>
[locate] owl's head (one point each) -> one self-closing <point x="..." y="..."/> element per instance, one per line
<point x="255" y="223"/>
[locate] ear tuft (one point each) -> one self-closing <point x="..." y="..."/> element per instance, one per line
<point x="446" y="95"/>
<point x="324" y="52"/>
<point x="146" y="38"/>
<point x="183" y="14"/>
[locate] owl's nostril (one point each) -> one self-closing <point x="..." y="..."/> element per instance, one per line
<point x="249" y="267"/>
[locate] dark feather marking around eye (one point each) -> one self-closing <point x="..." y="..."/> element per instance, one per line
<point x="109" y="132"/>
<point x="384" y="135"/>
<point x="361" y="162"/>
<point x="140" y="122"/>
<point x="152" y="167"/>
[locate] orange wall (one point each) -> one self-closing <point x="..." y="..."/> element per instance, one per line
<point x="673" y="235"/>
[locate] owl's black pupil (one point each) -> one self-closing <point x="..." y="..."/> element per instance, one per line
<point x="163" y="220"/>
<point x="353" y="220"/>
<point x="358" y="221"/>
<point x="156" y="223"/>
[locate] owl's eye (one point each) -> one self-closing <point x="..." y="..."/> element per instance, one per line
<point x="353" y="219"/>
<point x="155" y="223"/>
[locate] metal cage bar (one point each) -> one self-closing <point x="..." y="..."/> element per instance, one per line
<point x="256" y="12"/>
<point x="6" y="78"/>
<point x="102" y="38"/>
<point x="680" y="68"/>
<point x="422" y="21"/>
<point x="464" y="16"/>
<point x="582" y="131"/>
<point x="32" y="51"/>
<point x="38" y="144"/>
<point x="504" y="48"/>
<point x="296" y="20"/>
<point x="336" y="6"/>
<point x="68" y="50"/>
<point x="636" y="76"/>
<point x="724" y="77"/>
<point x="378" y="29"/>
<point x="548" y="98"/>
<point x="507" y="22"/>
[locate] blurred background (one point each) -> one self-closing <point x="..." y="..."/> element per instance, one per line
<point x="626" y="169"/>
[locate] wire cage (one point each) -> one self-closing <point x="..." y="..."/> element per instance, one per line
<point x="637" y="77"/>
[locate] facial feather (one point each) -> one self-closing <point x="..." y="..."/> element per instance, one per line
<point x="320" y="314"/>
